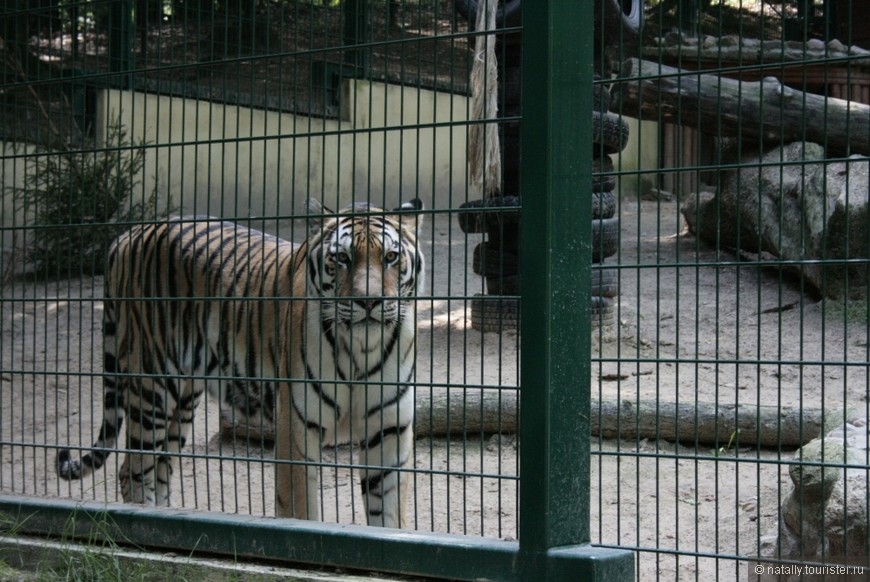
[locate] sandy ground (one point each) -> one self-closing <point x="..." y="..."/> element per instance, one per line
<point x="689" y="330"/>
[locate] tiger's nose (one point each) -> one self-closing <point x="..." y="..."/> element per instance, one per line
<point x="368" y="303"/>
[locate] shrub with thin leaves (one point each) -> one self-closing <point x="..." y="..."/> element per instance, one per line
<point x="78" y="201"/>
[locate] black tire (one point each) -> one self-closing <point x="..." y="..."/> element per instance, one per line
<point x="604" y="282"/>
<point x="603" y="205"/>
<point x="601" y="312"/>
<point x="632" y="14"/>
<point x="605" y="238"/>
<point x="495" y="314"/>
<point x="503" y="285"/>
<point x="600" y="96"/>
<point x="473" y="218"/>
<point x="609" y="132"/>
<point x="603" y="179"/>
<point x="489" y="260"/>
<point x="618" y="23"/>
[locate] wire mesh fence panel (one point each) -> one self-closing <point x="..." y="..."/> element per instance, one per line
<point x="241" y="111"/>
<point x="741" y="328"/>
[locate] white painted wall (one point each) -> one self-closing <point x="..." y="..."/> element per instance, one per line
<point x="392" y="143"/>
<point x="238" y="162"/>
<point x="639" y="160"/>
<point x="17" y="163"/>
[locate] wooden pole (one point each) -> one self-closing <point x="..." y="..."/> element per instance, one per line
<point x="484" y="147"/>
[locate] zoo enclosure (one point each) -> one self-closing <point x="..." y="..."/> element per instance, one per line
<point x="247" y="112"/>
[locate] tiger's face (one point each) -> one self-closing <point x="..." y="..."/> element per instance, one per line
<point x="365" y="264"/>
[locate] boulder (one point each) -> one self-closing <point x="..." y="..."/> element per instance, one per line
<point x="791" y="205"/>
<point x="825" y="516"/>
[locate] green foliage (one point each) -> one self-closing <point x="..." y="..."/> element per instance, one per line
<point x="77" y="202"/>
<point x="93" y="548"/>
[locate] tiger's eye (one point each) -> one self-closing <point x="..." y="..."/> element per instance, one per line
<point x="391" y="257"/>
<point x="342" y="258"/>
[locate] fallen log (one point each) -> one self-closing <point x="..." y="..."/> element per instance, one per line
<point x="765" y="111"/>
<point x="704" y="423"/>
<point x="474" y="412"/>
<point x="456" y="411"/>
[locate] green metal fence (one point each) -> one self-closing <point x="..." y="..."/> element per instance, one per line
<point x="662" y="404"/>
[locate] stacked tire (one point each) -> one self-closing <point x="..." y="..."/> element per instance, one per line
<point x="609" y="136"/>
<point x="617" y="23"/>
<point x="496" y="259"/>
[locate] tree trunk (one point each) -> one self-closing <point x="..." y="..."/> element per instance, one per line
<point x="456" y="411"/>
<point x="474" y="412"/>
<point x="765" y="111"/>
<point x="702" y="423"/>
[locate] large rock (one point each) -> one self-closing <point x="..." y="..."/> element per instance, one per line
<point x="825" y="516"/>
<point x="793" y="206"/>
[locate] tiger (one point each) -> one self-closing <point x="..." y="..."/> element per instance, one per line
<point x="316" y="339"/>
<point x="354" y="321"/>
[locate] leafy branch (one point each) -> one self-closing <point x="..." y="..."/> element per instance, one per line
<point x="75" y="202"/>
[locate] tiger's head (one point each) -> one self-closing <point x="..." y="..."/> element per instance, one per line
<point x="363" y="263"/>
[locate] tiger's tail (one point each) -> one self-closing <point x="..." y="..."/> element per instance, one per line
<point x="113" y="412"/>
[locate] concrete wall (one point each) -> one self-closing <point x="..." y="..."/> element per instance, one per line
<point x="390" y="144"/>
<point x="639" y="160"/>
<point x="16" y="164"/>
<point x="238" y="162"/>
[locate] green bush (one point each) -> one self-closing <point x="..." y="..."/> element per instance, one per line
<point x="76" y="202"/>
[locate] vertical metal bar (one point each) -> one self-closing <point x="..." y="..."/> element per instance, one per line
<point x="357" y="32"/>
<point x="556" y="256"/>
<point x="121" y="42"/>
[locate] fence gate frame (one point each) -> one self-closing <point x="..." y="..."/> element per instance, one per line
<point x="554" y="500"/>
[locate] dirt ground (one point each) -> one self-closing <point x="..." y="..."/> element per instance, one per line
<point x="687" y="329"/>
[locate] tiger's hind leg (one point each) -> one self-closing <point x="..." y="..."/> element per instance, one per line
<point x="145" y="479"/>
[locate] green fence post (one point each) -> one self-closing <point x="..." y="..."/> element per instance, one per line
<point x="556" y="256"/>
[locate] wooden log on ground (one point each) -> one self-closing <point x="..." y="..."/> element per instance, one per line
<point x="704" y="423"/>
<point x="455" y="411"/>
<point x="765" y="110"/>
<point x="474" y="412"/>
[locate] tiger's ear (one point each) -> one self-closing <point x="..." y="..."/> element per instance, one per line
<point x="316" y="216"/>
<point x="411" y="220"/>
